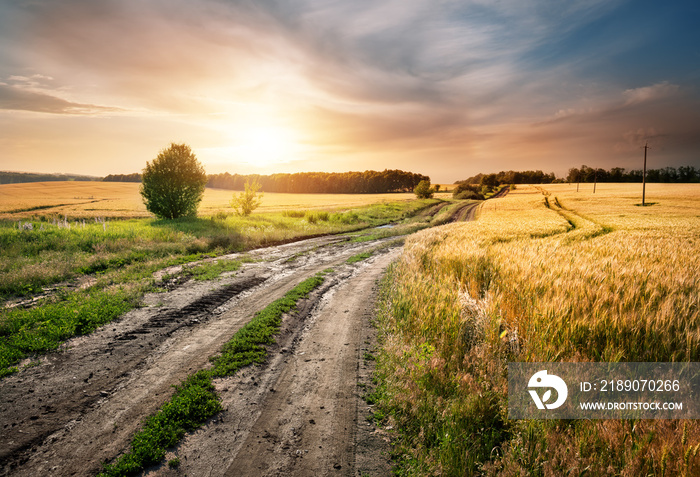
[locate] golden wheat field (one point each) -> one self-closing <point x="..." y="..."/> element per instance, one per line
<point x="544" y="274"/>
<point x="122" y="200"/>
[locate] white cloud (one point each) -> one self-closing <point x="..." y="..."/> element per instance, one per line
<point x="650" y="93"/>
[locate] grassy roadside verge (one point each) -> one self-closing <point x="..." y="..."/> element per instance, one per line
<point x="195" y="399"/>
<point x="120" y="258"/>
<point x="38" y="254"/>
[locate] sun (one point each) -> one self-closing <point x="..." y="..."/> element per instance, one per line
<point x="266" y="145"/>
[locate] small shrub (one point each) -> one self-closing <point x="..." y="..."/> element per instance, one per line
<point x="423" y="190"/>
<point x="249" y="200"/>
<point x="468" y="194"/>
<point x="467" y="191"/>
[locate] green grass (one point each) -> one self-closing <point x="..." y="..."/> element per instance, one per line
<point x="410" y="224"/>
<point x="195" y="399"/>
<point x="409" y="227"/>
<point x="359" y="257"/>
<point x="365" y="255"/>
<point x="28" y="332"/>
<point x="33" y="259"/>
<point x="194" y="402"/>
<point x="498" y="189"/>
<point x="210" y="271"/>
<point x="51" y="253"/>
<point x="25" y="332"/>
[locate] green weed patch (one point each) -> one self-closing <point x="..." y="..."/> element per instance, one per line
<point x="194" y="402"/>
<point x="27" y="332"/>
<point x="359" y="257"/>
<point x="210" y="271"/>
<point x="247" y="345"/>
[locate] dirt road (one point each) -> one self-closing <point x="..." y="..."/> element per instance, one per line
<point x="301" y="413"/>
<point x="298" y="412"/>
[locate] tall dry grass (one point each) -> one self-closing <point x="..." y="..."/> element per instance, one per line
<point x="544" y="274"/>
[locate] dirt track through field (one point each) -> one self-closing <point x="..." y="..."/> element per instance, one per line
<point x="300" y="413"/>
<point x="80" y="407"/>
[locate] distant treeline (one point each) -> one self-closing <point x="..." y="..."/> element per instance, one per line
<point x="618" y="174"/>
<point x="367" y="182"/>
<point x="586" y="174"/>
<point x="21" y="177"/>
<point x="511" y="177"/>
<point x="309" y="182"/>
<point x="135" y="177"/>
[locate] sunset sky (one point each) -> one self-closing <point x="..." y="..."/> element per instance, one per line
<point x="446" y="88"/>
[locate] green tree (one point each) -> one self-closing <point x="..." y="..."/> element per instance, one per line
<point x="249" y="200"/>
<point x="467" y="191"/>
<point x="423" y="190"/>
<point x="173" y="183"/>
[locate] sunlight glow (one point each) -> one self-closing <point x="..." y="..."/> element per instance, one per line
<point x="265" y="145"/>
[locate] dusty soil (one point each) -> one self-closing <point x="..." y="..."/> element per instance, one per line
<point x="301" y="413"/>
<point x="501" y="193"/>
<point x="464" y="213"/>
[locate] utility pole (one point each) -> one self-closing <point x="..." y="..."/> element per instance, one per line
<point x="578" y="179"/>
<point x="595" y="180"/>
<point x="644" y="174"/>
